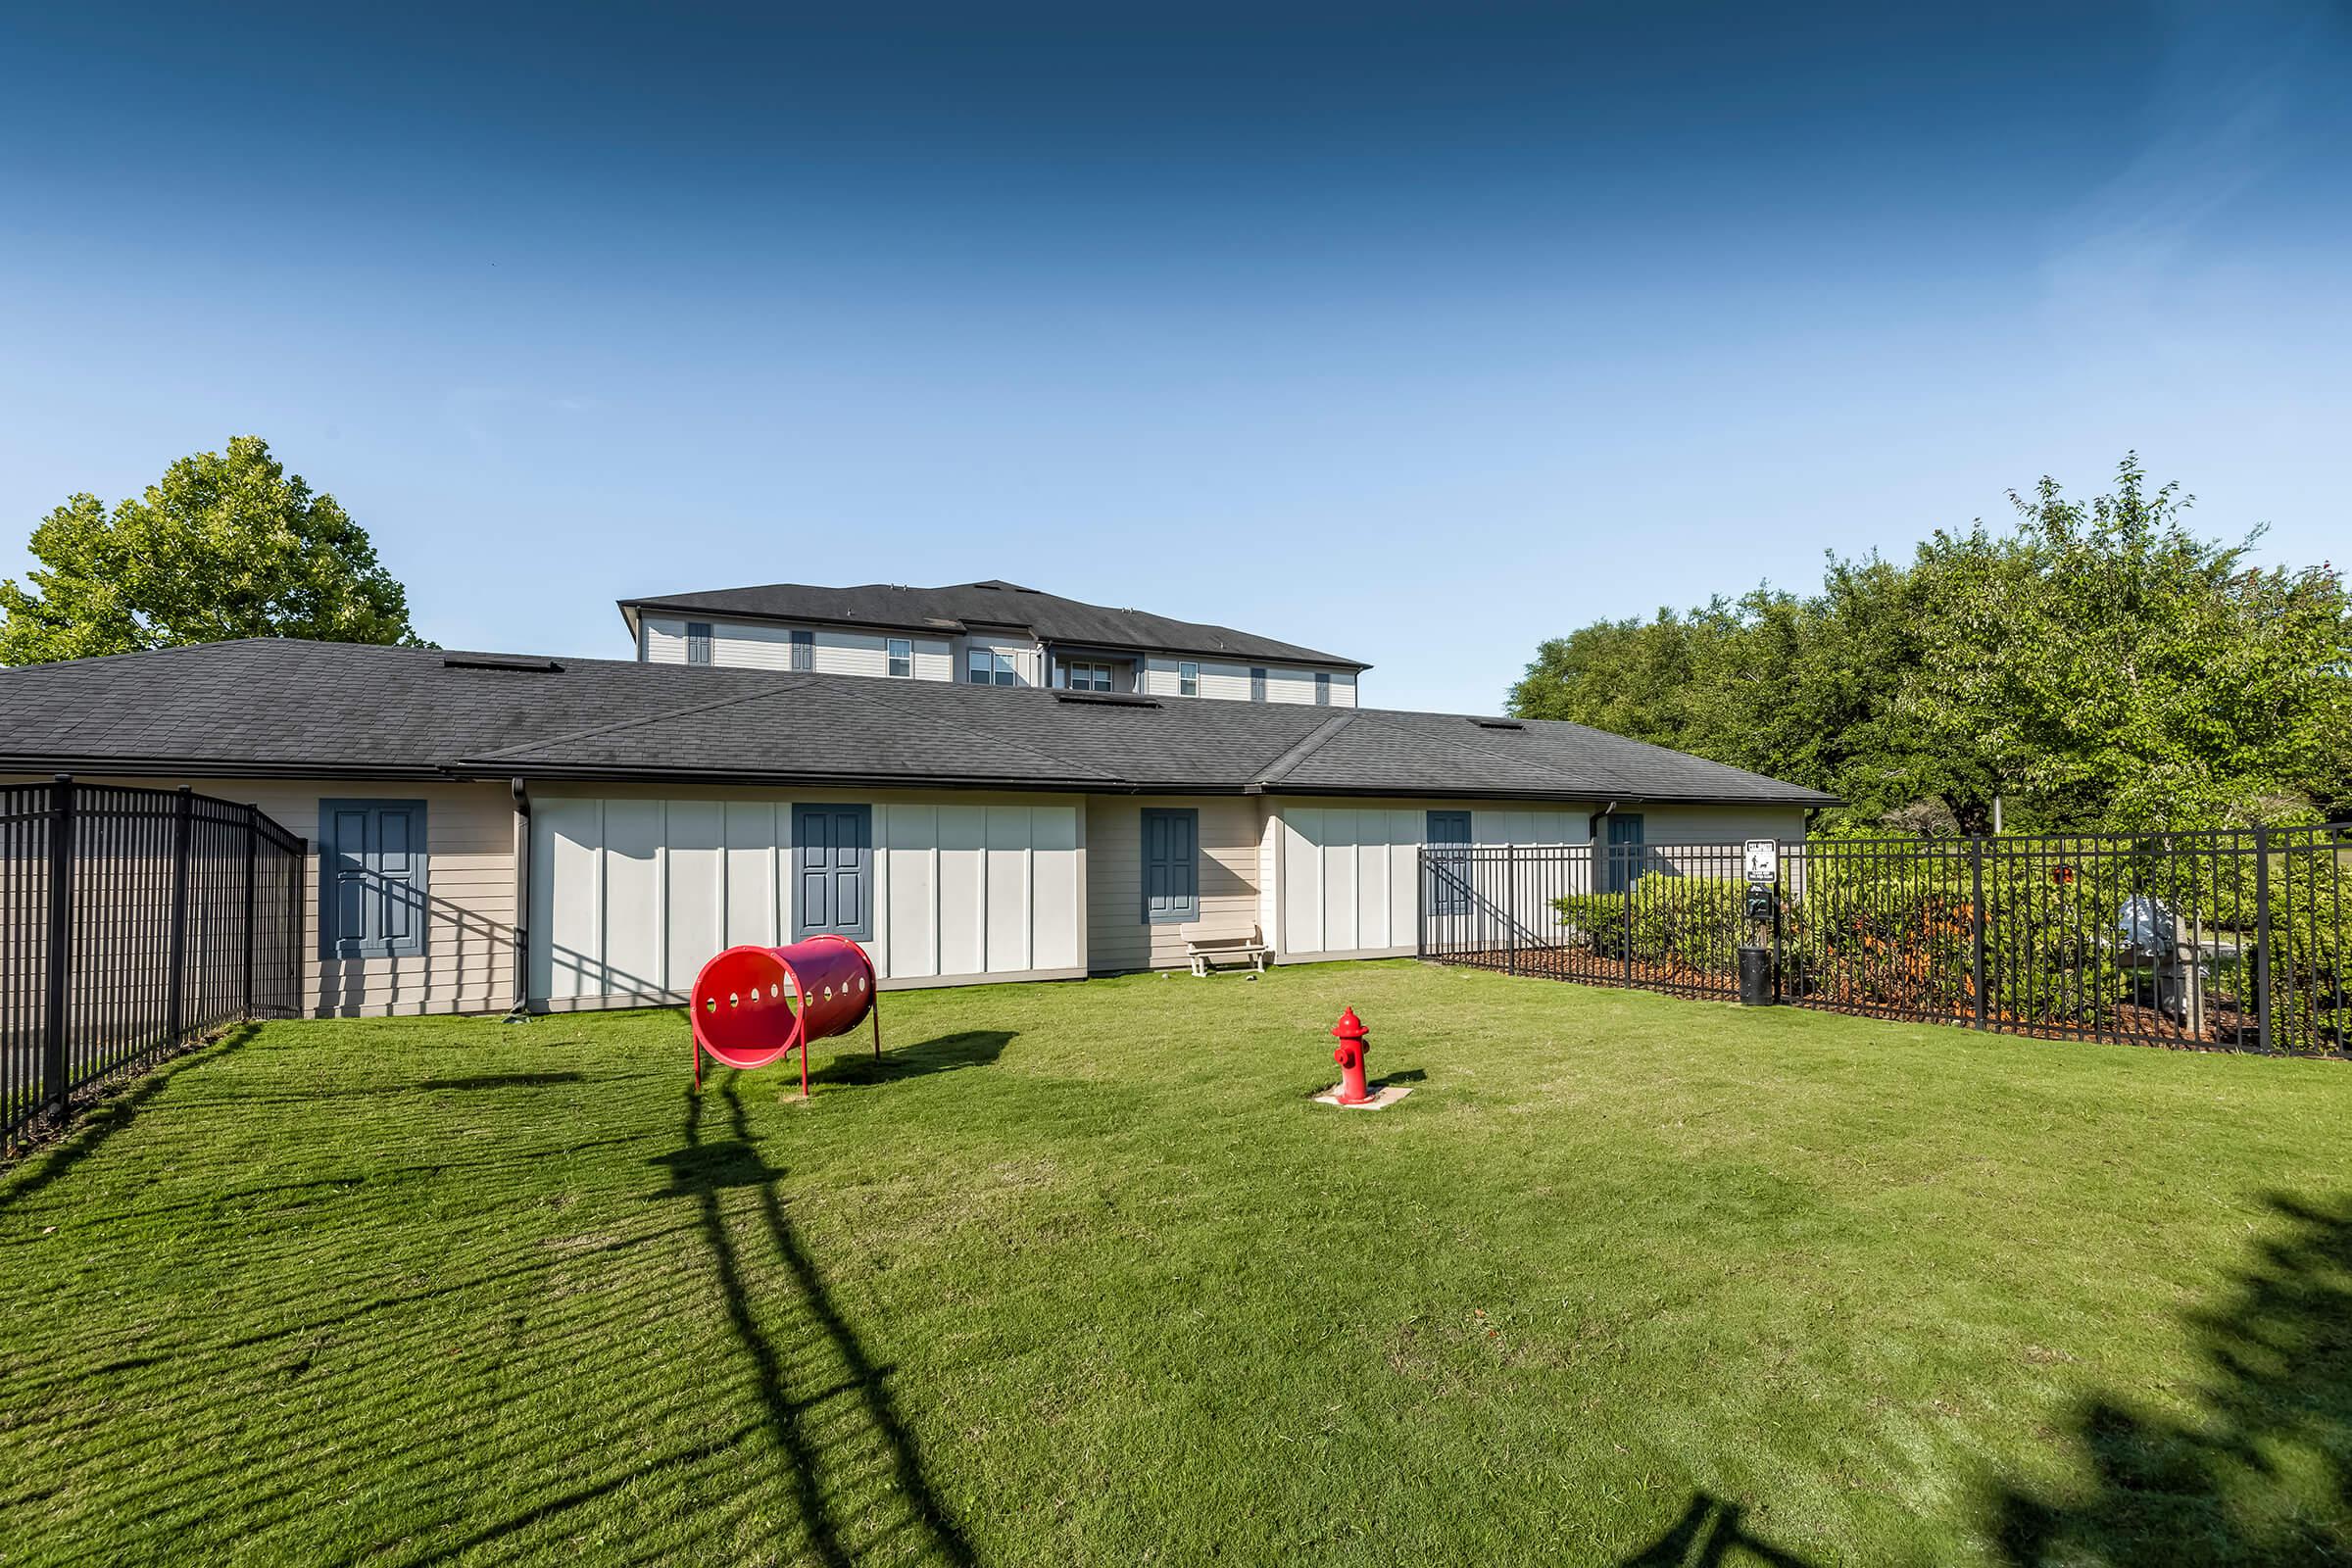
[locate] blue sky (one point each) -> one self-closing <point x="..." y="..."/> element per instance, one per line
<point x="1415" y="333"/>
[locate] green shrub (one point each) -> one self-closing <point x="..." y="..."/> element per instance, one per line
<point x="1898" y="932"/>
<point x="1686" y="921"/>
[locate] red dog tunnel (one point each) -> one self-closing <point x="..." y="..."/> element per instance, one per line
<point x="753" y="1005"/>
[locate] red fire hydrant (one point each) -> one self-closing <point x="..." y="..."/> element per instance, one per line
<point x="1352" y="1037"/>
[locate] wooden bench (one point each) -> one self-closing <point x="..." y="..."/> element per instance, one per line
<point x="1207" y="950"/>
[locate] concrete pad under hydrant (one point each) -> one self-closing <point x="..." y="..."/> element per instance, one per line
<point x="1382" y="1098"/>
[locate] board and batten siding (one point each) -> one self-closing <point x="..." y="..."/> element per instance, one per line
<point x="766" y="644"/>
<point x="1118" y="938"/>
<point x="468" y="964"/>
<point x="633" y="892"/>
<point x="1347" y="875"/>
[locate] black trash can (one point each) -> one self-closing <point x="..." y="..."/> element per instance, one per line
<point x="1756" y="989"/>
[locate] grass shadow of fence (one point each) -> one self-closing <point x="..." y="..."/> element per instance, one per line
<point x="85" y="1131"/>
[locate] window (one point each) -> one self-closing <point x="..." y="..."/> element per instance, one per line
<point x="1322" y="689"/>
<point x="804" y="650"/>
<point x="1188" y="679"/>
<point x="900" y="652"/>
<point x="697" y="642"/>
<point x="1257" y="683"/>
<point x="371" y="879"/>
<point x="1171" y="867"/>
<point x="1087" y="677"/>
<point x="986" y="666"/>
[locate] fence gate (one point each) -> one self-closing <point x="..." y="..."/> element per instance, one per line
<point x="132" y="920"/>
<point x="2232" y="938"/>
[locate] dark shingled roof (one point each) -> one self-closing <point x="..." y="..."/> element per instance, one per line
<point x="352" y="710"/>
<point x="991" y="604"/>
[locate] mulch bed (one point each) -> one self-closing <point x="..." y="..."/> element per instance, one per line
<point x="2227" y="1027"/>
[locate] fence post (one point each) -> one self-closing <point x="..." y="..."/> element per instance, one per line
<point x="1783" y="864"/>
<point x="60" y="955"/>
<point x="2262" y="936"/>
<point x="298" y="925"/>
<point x="253" y="831"/>
<point x="1421" y="901"/>
<point x="175" y="985"/>
<point x="1976" y="921"/>
<point x="1510" y="909"/>
<point x="1625" y="873"/>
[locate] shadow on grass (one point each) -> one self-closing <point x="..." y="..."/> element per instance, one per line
<point x="426" y="1086"/>
<point x="1410" y="1075"/>
<point x="973" y="1048"/>
<point x="2262" y="1471"/>
<point x="1709" y="1535"/>
<point x="504" y="1080"/>
<point x="109" y="1116"/>
<point x="877" y="1440"/>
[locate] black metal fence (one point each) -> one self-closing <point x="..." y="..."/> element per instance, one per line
<point x="2236" y="938"/>
<point x="132" y="920"/>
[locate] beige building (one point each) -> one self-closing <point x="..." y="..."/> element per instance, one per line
<point x="491" y="831"/>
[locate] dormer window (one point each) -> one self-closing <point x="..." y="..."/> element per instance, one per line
<point x="697" y="642"/>
<point x="1257" y="683"/>
<point x="1083" y="675"/>
<point x="1188" y="679"/>
<point x="988" y="667"/>
<point x="901" y="653"/>
<point x="1322" y="689"/>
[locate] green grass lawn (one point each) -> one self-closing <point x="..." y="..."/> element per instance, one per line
<point x="1078" y="1275"/>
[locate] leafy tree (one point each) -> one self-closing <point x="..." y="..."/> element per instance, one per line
<point x="1629" y="677"/>
<point x="225" y="545"/>
<point x="2099" y="664"/>
<point x="2111" y="666"/>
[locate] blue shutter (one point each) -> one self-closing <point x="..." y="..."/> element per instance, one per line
<point x="833" y="864"/>
<point x="1171" y="867"/>
<point x="372" y="865"/>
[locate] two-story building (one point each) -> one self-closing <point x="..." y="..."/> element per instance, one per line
<point x="977" y="783"/>
<point x="990" y="633"/>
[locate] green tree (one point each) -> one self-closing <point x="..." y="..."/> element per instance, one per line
<point x="2097" y="665"/>
<point x="225" y="545"/>
<point x="1630" y="677"/>
<point x="2109" y="666"/>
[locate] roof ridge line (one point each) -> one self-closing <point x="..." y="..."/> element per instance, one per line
<point x="632" y="723"/>
<point x="1312" y="742"/>
<point x="881" y="699"/>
